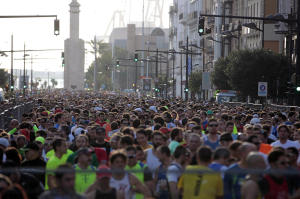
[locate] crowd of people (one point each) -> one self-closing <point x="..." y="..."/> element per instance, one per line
<point x="101" y="145"/>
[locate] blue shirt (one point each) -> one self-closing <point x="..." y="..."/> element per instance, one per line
<point x="233" y="179"/>
<point x="212" y="145"/>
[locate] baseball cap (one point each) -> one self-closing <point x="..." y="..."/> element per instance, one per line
<point x="4" y="142"/>
<point x="103" y="171"/>
<point x="209" y="112"/>
<point x="26" y="133"/>
<point x="31" y="146"/>
<point x="153" y="108"/>
<point x="40" y="139"/>
<point x="79" y="131"/>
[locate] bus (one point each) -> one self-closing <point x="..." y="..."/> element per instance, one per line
<point x="226" y="96"/>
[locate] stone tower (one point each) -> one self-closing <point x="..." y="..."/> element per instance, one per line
<point x="74" y="53"/>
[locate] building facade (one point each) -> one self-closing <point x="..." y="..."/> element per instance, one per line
<point x="132" y="38"/>
<point x="226" y="34"/>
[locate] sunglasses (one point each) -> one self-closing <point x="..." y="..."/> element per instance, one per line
<point x="131" y="156"/>
<point x="283" y="163"/>
<point x="213" y="125"/>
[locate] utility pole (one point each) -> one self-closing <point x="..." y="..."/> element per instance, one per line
<point x="203" y="66"/>
<point x="186" y="70"/>
<point x="298" y="55"/>
<point x="181" y="76"/>
<point x="136" y="74"/>
<point x="31" y="74"/>
<point x="24" y="81"/>
<point x="95" y="65"/>
<point x="173" y="82"/>
<point x="12" y="84"/>
<point x="167" y="76"/>
<point x="156" y="65"/>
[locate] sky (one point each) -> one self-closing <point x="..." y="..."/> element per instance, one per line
<point x="38" y="33"/>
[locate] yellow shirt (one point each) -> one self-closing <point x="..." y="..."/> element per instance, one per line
<point x="200" y="185"/>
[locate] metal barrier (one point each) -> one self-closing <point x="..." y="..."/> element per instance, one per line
<point x="15" y="112"/>
<point x="281" y="108"/>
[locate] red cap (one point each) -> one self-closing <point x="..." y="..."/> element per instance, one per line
<point x="164" y="130"/>
<point x="103" y="171"/>
<point x="26" y="133"/>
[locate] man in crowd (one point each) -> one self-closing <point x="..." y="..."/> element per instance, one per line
<point x="65" y="180"/>
<point x="202" y="185"/>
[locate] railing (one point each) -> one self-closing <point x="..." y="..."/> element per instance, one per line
<point x="14" y="112"/>
<point x="272" y="106"/>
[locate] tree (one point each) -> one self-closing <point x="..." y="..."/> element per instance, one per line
<point x="53" y="82"/>
<point x="45" y="84"/>
<point x="242" y="70"/>
<point x="105" y="66"/>
<point x="219" y="76"/>
<point x="195" y="82"/>
<point x="3" y="78"/>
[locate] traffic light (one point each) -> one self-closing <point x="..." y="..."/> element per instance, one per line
<point x="56" y="27"/>
<point x="201" y="25"/>
<point x="186" y="90"/>
<point x="136" y="57"/>
<point x="25" y="85"/>
<point x="118" y="64"/>
<point x="12" y="88"/>
<point x="63" y="59"/>
<point x="298" y="88"/>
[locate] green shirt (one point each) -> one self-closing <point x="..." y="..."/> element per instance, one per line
<point x="51" y="153"/>
<point x="71" y="159"/>
<point x="52" y="164"/>
<point x="84" y="179"/>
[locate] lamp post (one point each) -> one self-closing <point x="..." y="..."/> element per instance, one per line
<point x="24" y="78"/>
<point x="253" y="26"/>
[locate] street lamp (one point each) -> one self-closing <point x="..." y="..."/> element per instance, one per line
<point x="24" y="79"/>
<point x="252" y="25"/>
<point x="210" y="38"/>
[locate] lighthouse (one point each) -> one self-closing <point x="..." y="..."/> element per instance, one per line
<point x="74" y="53"/>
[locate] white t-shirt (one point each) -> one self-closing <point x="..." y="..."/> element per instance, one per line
<point x="286" y="145"/>
<point x="174" y="171"/>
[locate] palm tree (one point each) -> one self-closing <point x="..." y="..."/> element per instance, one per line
<point x="53" y="82"/>
<point x="45" y="84"/>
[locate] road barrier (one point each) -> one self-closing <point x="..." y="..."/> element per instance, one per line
<point x="14" y="112"/>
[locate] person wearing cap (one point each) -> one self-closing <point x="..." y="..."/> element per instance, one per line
<point x="3" y="143"/>
<point x="101" y="188"/>
<point x="33" y="160"/>
<point x="85" y="175"/>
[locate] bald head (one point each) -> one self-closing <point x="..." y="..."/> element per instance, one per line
<point x="255" y="161"/>
<point x="245" y="149"/>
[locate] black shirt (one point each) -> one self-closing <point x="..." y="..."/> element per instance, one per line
<point x="109" y="195"/>
<point x="38" y="164"/>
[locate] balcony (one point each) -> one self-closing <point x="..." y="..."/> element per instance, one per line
<point x="182" y="18"/>
<point x="193" y="18"/>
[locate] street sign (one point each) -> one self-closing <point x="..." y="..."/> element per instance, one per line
<point x="262" y="89"/>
